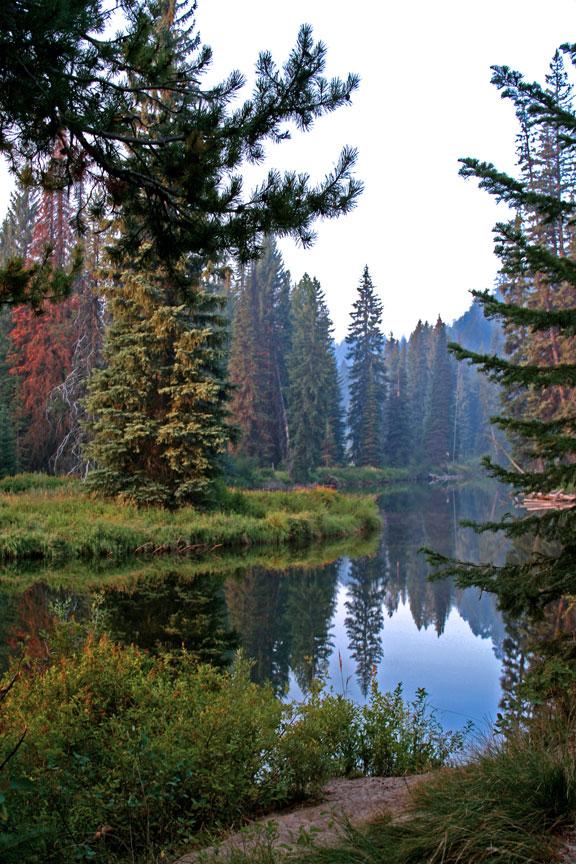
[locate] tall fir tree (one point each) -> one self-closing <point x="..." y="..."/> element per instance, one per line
<point x="314" y="407"/>
<point x="257" y="365"/>
<point x="418" y="372"/>
<point x="367" y="376"/>
<point x="438" y="435"/>
<point x="397" y="443"/>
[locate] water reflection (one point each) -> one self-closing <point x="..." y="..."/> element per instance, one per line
<point x="342" y="621"/>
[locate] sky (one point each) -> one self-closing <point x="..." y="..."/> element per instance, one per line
<point x="425" y="99"/>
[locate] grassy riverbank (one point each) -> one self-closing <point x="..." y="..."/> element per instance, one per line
<point x="47" y="520"/>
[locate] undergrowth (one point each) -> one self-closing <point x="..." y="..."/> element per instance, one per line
<point x="127" y="756"/>
<point x="509" y="805"/>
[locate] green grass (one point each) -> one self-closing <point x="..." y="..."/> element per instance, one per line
<point x="59" y="522"/>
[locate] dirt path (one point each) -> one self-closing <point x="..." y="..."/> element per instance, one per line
<point x="359" y="801"/>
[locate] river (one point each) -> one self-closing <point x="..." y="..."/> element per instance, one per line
<point x="345" y="614"/>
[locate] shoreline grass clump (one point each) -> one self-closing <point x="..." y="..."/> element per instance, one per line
<point x="65" y="523"/>
<point x="510" y="805"/>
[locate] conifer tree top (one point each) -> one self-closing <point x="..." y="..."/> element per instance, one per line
<point x="158" y="145"/>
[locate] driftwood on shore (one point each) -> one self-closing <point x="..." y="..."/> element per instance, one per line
<point x="547" y="501"/>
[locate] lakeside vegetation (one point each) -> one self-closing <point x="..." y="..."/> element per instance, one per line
<point x="511" y="805"/>
<point x="127" y="755"/>
<point x="58" y="521"/>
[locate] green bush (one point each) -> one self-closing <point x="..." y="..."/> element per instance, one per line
<point x="126" y="754"/>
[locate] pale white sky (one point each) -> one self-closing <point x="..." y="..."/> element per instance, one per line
<point x="424" y="100"/>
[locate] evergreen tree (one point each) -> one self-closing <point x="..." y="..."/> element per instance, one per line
<point x="548" y="168"/>
<point x="157" y="410"/>
<point x="176" y="166"/>
<point x="548" y="572"/>
<point x="367" y="379"/>
<point x="397" y="447"/>
<point x="438" y="437"/>
<point x="314" y="411"/>
<point x="257" y="365"/>
<point x="418" y="372"/>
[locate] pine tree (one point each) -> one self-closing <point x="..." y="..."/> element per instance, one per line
<point x="367" y="379"/>
<point x="314" y="412"/>
<point x="548" y="572"/>
<point x="178" y="167"/>
<point x="438" y="434"/>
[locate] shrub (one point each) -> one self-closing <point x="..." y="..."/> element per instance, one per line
<point x="127" y="754"/>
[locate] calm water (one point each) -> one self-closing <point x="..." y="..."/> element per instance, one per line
<point x="355" y="616"/>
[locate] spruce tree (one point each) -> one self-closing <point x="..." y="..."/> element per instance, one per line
<point x="367" y="379"/>
<point x="157" y="410"/>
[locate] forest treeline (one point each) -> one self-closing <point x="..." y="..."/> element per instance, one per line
<point x="102" y="382"/>
<point x="296" y="400"/>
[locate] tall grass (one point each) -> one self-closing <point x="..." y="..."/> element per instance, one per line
<point x="508" y="806"/>
<point x="62" y="523"/>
